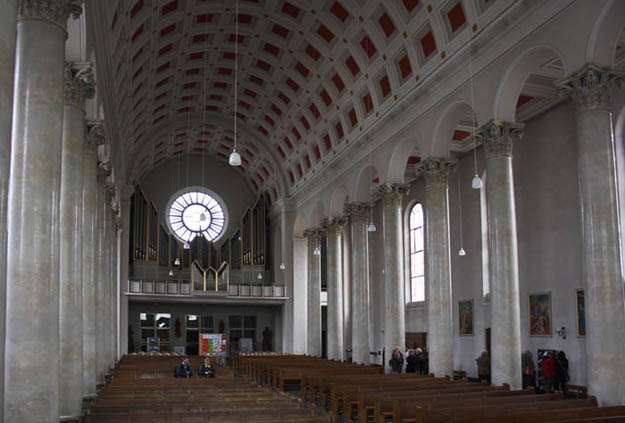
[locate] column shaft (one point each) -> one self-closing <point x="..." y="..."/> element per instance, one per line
<point x="314" y="292"/>
<point x="503" y="254"/>
<point x="32" y="292"/>
<point x="89" y="253"/>
<point x="106" y="283"/>
<point x="395" y="315"/>
<point x="77" y="82"/>
<point x="7" y="67"/>
<point x="99" y="280"/>
<point x="438" y="266"/>
<point x="360" y="282"/>
<point x="605" y="305"/>
<point x="126" y="192"/>
<point x="336" y="349"/>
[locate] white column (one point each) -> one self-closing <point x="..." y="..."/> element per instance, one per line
<point x="89" y="253"/>
<point x="603" y="277"/>
<point x="289" y="330"/>
<point x="438" y="266"/>
<point x="333" y="227"/>
<point x="7" y="67"/>
<point x="101" y="367"/>
<point x="314" y="291"/>
<point x="32" y="292"/>
<point x="358" y="213"/>
<point x="125" y="193"/>
<point x="79" y="85"/>
<point x="395" y="315"/>
<point x="505" y="310"/>
<point x="106" y="274"/>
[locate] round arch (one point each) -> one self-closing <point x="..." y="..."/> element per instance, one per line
<point x="516" y="75"/>
<point x="337" y="203"/>
<point x="603" y="40"/>
<point x="362" y="188"/>
<point x="446" y="126"/>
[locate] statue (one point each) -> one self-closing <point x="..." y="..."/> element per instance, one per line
<point x="222" y="326"/>
<point x="266" y="339"/>
<point x="178" y="329"/>
<point x="131" y="341"/>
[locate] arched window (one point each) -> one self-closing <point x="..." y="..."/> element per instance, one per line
<point x="415" y="289"/>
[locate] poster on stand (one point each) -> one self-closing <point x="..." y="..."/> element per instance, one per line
<point x="213" y="344"/>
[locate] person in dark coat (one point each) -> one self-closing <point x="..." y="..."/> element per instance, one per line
<point x="562" y="372"/>
<point x="397" y="361"/>
<point x="421" y="362"/>
<point x="549" y="372"/>
<point x="183" y="370"/>
<point x="411" y="362"/>
<point x="483" y="367"/>
<point x="207" y="370"/>
<point x="529" y="370"/>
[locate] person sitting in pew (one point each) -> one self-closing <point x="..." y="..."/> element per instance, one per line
<point x="183" y="370"/>
<point x="207" y="370"/>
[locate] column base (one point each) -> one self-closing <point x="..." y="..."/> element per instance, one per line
<point x="71" y="419"/>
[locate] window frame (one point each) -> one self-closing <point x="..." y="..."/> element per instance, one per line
<point x="409" y="279"/>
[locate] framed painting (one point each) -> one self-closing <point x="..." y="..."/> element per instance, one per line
<point x="465" y="317"/>
<point x="540" y="314"/>
<point x="580" y="311"/>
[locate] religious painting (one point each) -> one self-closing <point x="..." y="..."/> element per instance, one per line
<point x="580" y="308"/>
<point x="540" y="314"/>
<point x="465" y="317"/>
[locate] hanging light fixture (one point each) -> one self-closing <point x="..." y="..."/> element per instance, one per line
<point x="186" y="246"/>
<point x="461" y="252"/>
<point x="177" y="262"/>
<point x="371" y="227"/>
<point x="317" y="251"/>
<point x="260" y="276"/>
<point x="476" y="183"/>
<point x="171" y="273"/>
<point x="282" y="266"/>
<point x="235" y="158"/>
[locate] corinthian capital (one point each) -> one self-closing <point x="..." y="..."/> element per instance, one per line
<point x="53" y="11"/>
<point x="590" y="87"/>
<point x="391" y="194"/>
<point x="436" y="171"/>
<point x="332" y="225"/>
<point x="79" y="84"/>
<point x="498" y="137"/>
<point x="95" y="136"/>
<point x="359" y="212"/>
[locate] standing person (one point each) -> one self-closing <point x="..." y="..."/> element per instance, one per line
<point x="549" y="372"/>
<point x="411" y="362"/>
<point x="207" y="370"/>
<point x="483" y="367"/>
<point x="562" y="372"/>
<point x="397" y="361"/>
<point x="183" y="370"/>
<point x="421" y="364"/>
<point x="529" y="370"/>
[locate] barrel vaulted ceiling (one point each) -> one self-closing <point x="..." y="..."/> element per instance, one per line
<point x="313" y="75"/>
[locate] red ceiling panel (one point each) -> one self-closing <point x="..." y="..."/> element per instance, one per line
<point x="523" y="99"/>
<point x="136" y="8"/>
<point x="428" y="44"/>
<point x="199" y="38"/>
<point x="280" y="30"/>
<point x="460" y="135"/>
<point x="270" y="121"/>
<point x="162" y="51"/>
<point x="170" y="7"/>
<point x="326" y="97"/>
<point x="317" y="152"/>
<point x="353" y="119"/>
<point x="292" y="84"/>
<point x="281" y="152"/>
<point x="325" y="33"/>
<point x="304" y="122"/>
<point x="290" y="10"/>
<point x="284" y="98"/>
<point x="245" y="19"/>
<point x="368" y="46"/>
<point x="302" y="69"/>
<point x="295" y="131"/>
<point x="328" y="143"/>
<point x="339" y="11"/>
<point x="137" y="33"/>
<point x="249" y="93"/>
<point x="288" y="143"/>
<point x="339" y="129"/>
<point x="410" y="4"/>
<point x="276" y="109"/>
<point x="312" y="52"/>
<point x="367" y="102"/>
<point x="205" y="18"/>
<point x="314" y="110"/>
<point x="256" y="80"/>
<point x="340" y="86"/>
<point x="168" y="30"/>
<point x="352" y="66"/>
<point x="262" y="130"/>
<point x="270" y="48"/>
<point x="404" y="66"/>
<point x="263" y="65"/>
<point x="385" y="86"/>
<point x="456" y="17"/>
<point x="386" y="24"/>
<point x="193" y="71"/>
<point x="244" y="104"/>
<point x="307" y="158"/>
